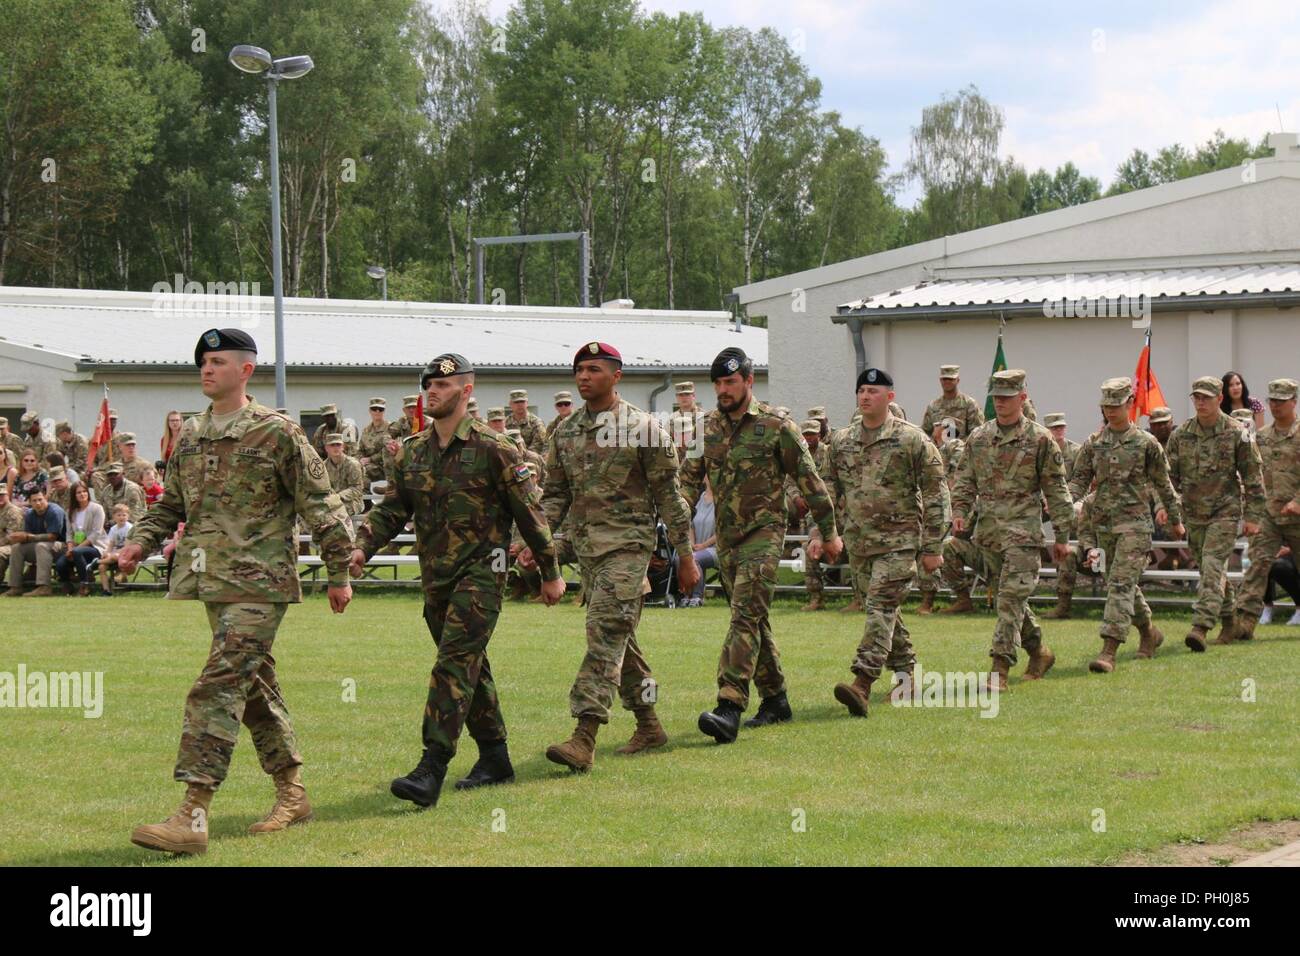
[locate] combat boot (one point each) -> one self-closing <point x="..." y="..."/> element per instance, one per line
<point x="579" y="751"/>
<point x="43" y="591"/>
<point x="1246" y="627"/>
<point x="291" y="803"/>
<point x="962" y="605"/>
<point x="1195" y="639"/>
<point x="423" y="784"/>
<point x="185" y="831"/>
<point x="853" y="607"/>
<point x="722" y="723"/>
<point x="998" y="676"/>
<point x="1041" y="660"/>
<point x="1228" y="633"/>
<point x="815" y="603"/>
<point x="492" y="767"/>
<point x="649" y="732"/>
<point x="927" y="603"/>
<point x="1105" y="662"/>
<point x="1064" y="600"/>
<point x="1151" y="639"/>
<point x="771" y="710"/>
<point x="855" y="696"/>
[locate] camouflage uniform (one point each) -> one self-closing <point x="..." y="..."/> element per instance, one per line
<point x="372" y="445"/>
<point x="745" y="462"/>
<point x="1129" y="468"/>
<point x="75" y="452"/>
<point x="961" y="410"/>
<point x="348" y="481"/>
<point x="1012" y="469"/>
<point x="318" y="439"/>
<point x="896" y="508"/>
<point x="238" y="489"/>
<point x="1279" y="453"/>
<point x="949" y="454"/>
<point x="1210" y="469"/>
<point x="533" y="430"/>
<point x="611" y="486"/>
<point x="813" y="575"/>
<point x="1067" y="570"/>
<point x="12" y="517"/>
<point x="134" y="468"/>
<point x="463" y="499"/>
<point x="130" y="494"/>
<point x="40" y="444"/>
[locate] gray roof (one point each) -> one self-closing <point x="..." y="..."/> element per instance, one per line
<point x="123" y="329"/>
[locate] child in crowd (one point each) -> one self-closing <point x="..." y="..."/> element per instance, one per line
<point x="116" y="539"/>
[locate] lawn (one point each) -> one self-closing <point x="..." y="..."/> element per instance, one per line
<point x="1166" y="750"/>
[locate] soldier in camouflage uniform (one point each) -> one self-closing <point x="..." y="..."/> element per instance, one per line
<point x="464" y="485"/>
<point x="12" y="517"/>
<point x="955" y="410"/>
<point x="239" y="474"/>
<point x="1213" y="465"/>
<point x="333" y="425"/>
<point x="684" y="393"/>
<point x="530" y="426"/>
<point x="118" y="489"/>
<point x="610" y="467"/>
<point x="472" y="409"/>
<point x="370" y="446"/>
<point x="12" y="442"/>
<point x="1066" y="571"/>
<point x="1279" y="451"/>
<point x="748" y="449"/>
<point x="526" y="581"/>
<point x="1012" y="465"/>
<point x="133" y="466"/>
<point x="563" y="408"/>
<point x="73" y="447"/>
<point x="891" y="481"/>
<point x="345" y="475"/>
<point x="33" y="438"/>
<point x="950" y="450"/>
<point x="1130" y="469"/>
<point x="813" y="576"/>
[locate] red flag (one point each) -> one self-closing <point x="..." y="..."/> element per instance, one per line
<point x="1146" y="390"/>
<point x="102" y="434"/>
<point x="419" y="413"/>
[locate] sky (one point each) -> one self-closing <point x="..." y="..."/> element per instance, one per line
<point x="1086" y="82"/>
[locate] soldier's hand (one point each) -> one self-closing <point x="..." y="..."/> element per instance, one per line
<point x="129" y="557"/>
<point x="1291" y="508"/>
<point x="1250" y="528"/>
<point x="958" y="525"/>
<point x="1180" y="530"/>
<point x="1061" y="553"/>
<point x="800" y="506"/>
<point x="340" y="597"/>
<point x="1094" y="556"/>
<point x="357" y="563"/>
<point x="814" y="549"/>
<point x="526" y="560"/>
<point x="552" y="591"/>
<point x="1162" y="516"/>
<point x="688" y="572"/>
<point x="832" y="549"/>
<point x="931" y="563"/>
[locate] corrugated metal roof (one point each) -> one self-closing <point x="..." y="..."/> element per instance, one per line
<point x="1027" y="290"/>
<point x="136" y="329"/>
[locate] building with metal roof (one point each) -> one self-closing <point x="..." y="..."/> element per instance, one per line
<point x="1211" y="264"/>
<point x="59" y="348"/>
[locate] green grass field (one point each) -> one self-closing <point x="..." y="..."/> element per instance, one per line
<point x="1167" y="749"/>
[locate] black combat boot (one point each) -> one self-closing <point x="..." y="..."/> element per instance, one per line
<point x="722" y="723"/>
<point x="771" y="710"/>
<point x="492" y="766"/>
<point x="423" y="784"/>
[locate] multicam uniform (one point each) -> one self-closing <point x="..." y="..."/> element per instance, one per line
<point x="1279" y="452"/>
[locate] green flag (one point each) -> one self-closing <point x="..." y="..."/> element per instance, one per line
<point x="999" y="365"/>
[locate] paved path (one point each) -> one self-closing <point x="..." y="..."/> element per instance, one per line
<point x="1288" y="855"/>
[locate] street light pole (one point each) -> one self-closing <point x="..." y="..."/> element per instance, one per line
<point x="277" y="279"/>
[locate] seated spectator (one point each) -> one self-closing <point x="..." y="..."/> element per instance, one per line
<point x="1282" y="574"/>
<point x="114" y="541"/>
<point x="85" y="541"/>
<point x="40" y="541"/>
<point x="26" y="478"/>
<point x="116" y="488"/>
<point x="59" y="489"/>
<point x="153" y="491"/>
<point x="11" y="519"/>
<point x="54" y="460"/>
<point x="706" y="542"/>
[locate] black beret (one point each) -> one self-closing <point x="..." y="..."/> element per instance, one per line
<point x="445" y="365"/>
<point x="874" y="376"/>
<point x="730" y="362"/>
<point x="223" y="340"/>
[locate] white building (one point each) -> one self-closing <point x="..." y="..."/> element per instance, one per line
<point x="59" y="348"/>
<point x="1219" y="254"/>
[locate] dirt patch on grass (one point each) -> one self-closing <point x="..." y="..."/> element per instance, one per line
<point x="1251" y="839"/>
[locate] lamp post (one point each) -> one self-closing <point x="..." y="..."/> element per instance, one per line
<point x="380" y="274"/>
<point x="253" y="59"/>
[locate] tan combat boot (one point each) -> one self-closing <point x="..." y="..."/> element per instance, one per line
<point x="1041" y="660"/>
<point x="1064" y="600"/>
<point x="927" y="603"/>
<point x="856" y="695"/>
<point x="853" y="607"/>
<point x="962" y="604"/>
<point x="185" y="831"/>
<point x="814" y="602"/>
<point x="43" y="591"/>
<point x="1228" y="632"/>
<point x="291" y="803"/>
<point x="1195" y="639"/>
<point x="1105" y="662"/>
<point x="649" y="733"/>
<point x="998" y="676"/>
<point x="1151" y="639"/>
<point x="579" y="751"/>
<point x="1246" y="627"/>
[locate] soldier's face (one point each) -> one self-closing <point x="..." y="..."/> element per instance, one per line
<point x="949" y="385"/>
<point x="1282" y="411"/>
<point x="221" y="374"/>
<point x="497" y="425"/>
<point x="1058" y="432"/>
<point x="1207" y="406"/>
<point x="873" y="401"/>
<point x="520" y="408"/>
<point x="1116" y="416"/>
<point x="733" y="391"/>
<point x="562" y="409"/>
<point x="335" y="452"/>
<point x="443" y="396"/>
<point x="596" y="379"/>
<point x="813" y="440"/>
<point x="1162" y="430"/>
<point x="1008" y="407"/>
<point x="686" y="401"/>
<point x="376" y="415"/>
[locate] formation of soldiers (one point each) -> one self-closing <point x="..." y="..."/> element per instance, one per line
<point x="901" y="504"/>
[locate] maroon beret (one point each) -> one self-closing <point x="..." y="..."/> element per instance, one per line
<point x="597" y="350"/>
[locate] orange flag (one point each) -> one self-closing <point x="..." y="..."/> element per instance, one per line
<point x="1146" y="390"/>
<point x="102" y="434"/>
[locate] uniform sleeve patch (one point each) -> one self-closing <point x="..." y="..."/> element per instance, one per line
<point x="522" y="472"/>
